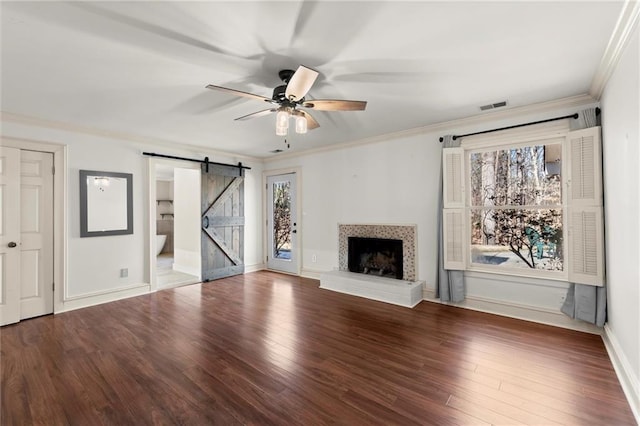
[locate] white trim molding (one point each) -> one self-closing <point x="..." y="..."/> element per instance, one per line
<point x="99" y="297"/>
<point x="620" y="37"/>
<point x="265" y="249"/>
<point x="60" y="211"/>
<point x="487" y="117"/>
<point x="254" y="267"/>
<point x="629" y="382"/>
<point x="314" y="274"/>
<point x="515" y="310"/>
<point x="120" y="136"/>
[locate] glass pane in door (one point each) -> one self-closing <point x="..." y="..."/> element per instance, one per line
<point x="282" y="220"/>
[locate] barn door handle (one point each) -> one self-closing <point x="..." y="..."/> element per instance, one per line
<point x="205" y="222"/>
<point x="12" y="244"/>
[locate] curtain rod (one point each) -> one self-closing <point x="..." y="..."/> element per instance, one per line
<point x="205" y="161"/>
<point x="574" y="116"/>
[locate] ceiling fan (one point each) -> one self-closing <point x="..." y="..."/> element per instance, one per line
<point x="288" y="98"/>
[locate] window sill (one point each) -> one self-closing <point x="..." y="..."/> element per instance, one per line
<point x="555" y="282"/>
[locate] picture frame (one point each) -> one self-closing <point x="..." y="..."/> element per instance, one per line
<point x="106" y="203"/>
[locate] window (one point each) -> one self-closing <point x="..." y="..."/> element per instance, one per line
<point x="515" y="207"/>
<point x="530" y="207"/>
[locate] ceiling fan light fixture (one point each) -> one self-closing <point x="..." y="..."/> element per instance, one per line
<point x="281" y="130"/>
<point x="282" y="117"/>
<point x="301" y="123"/>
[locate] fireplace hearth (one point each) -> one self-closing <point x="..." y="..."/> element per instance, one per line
<point x="375" y="256"/>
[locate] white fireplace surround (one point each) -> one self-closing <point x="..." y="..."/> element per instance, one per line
<point x="406" y="292"/>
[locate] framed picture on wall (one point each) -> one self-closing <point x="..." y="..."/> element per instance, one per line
<point x="106" y="203"/>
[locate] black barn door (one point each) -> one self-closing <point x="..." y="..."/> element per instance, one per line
<point x="222" y="221"/>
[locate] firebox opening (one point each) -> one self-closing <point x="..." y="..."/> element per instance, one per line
<point x="375" y="256"/>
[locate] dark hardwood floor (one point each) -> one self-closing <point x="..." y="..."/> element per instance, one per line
<point x="265" y="348"/>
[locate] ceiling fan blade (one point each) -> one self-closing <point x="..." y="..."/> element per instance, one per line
<point x="238" y="93"/>
<point x="256" y="114"/>
<point x="300" y="83"/>
<point x="311" y="122"/>
<point x="335" y="105"/>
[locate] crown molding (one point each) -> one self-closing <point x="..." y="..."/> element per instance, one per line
<point x="620" y="37"/>
<point x="120" y="136"/>
<point x="487" y="117"/>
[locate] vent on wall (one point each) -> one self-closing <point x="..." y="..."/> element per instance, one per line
<point x="493" y="106"/>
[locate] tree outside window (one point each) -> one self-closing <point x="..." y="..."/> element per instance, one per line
<point x="516" y="207"/>
<point x="282" y="220"/>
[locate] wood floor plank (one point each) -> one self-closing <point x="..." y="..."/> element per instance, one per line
<point x="266" y="348"/>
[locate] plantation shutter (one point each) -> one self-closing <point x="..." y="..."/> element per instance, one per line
<point x="586" y="246"/>
<point x="453" y="177"/>
<point x="585" y="221"/>
<point x="453" y="189"/>
<point x="453" y="230"/>
<point x="585" y="167"/>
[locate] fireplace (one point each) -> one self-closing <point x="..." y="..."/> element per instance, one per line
<point x="375" y="256"/>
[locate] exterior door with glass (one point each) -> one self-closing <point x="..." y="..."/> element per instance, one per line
<point x="282" y="223"/>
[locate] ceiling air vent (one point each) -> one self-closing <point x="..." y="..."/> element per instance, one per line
<point x="493" y="106"/>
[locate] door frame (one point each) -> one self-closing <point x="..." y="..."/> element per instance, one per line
<point x="60" y="211"/>
<point x="265" y="249"/>
<point x="152" y="210"/>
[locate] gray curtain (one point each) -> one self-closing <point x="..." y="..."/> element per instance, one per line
<point x="450" y="284"/>
<point x="586" y="302"/>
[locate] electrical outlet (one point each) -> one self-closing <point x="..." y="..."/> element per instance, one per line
<point x="124" y="272"/>
<point x="314" y="258"/>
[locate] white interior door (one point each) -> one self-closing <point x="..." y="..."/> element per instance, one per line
<point x="282" y="225"/>
<point x="36" y="234"/>
<point x="9" y="235"/>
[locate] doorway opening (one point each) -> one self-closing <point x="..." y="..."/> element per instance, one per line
<point x="175" y="251"/>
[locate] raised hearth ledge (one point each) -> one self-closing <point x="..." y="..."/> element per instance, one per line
<point x="389" y="290"/>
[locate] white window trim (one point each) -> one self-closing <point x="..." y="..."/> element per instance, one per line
<point x="547" y="133"/>
<point x="525" y="140"/>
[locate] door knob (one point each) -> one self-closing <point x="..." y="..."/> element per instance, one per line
<point x="12" y="244"/>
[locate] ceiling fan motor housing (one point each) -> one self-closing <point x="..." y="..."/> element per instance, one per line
<point x="280" y="96"/>
<point x="285" y="75"/>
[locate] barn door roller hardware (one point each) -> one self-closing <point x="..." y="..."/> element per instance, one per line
<point x="206" y="161"/>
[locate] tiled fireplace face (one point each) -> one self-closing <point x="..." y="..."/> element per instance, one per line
<point x="406" y="233"/>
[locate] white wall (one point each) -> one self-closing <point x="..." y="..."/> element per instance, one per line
<point x="621" y="139"/>
<point x="93" y="264"/>
<point x="186" y="221"/>
<point x="397" y="181"/>
<point x="164" y="191"/>
<point x="253" y="257"/>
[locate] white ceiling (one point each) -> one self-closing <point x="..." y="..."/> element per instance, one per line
<point x="141" y="68"/>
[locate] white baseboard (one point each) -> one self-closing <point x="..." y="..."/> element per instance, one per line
<point x="630" y="384"/>
<point x="255" y="267"/>
<point x="518" y="311"/>
<point x="311" y="273"/>
<point x="98" y="298"/>
<point x="187" y="269"/>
